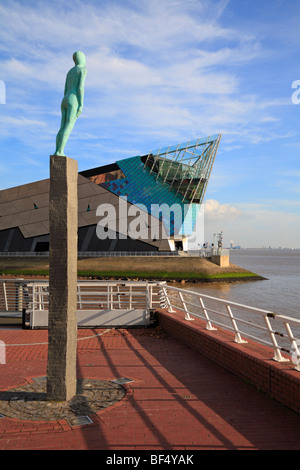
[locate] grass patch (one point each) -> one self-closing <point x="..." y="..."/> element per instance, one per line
<point x="236" y="275"/>
<point x="20" y="272"/>
<point x="161" y="275"/>
<point x="166" y="276"/>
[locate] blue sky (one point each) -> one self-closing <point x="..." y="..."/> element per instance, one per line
<point x="162" y="72"/>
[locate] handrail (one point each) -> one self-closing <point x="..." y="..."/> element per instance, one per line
<point x="202" y="253"/>
<point x="212" y="309"/>
<point x="31" y="297"/>
<point x="98" y="302"/>
<point x="85" y="254"/>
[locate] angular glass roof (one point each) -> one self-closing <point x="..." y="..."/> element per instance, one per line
<point x="185" y="168"/>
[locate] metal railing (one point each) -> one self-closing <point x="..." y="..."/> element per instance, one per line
<point x="13" y="295"/>
<point x="101" y="295"/>
<point x="86" y="254"/>
<point x="202" y="253"/>
<point x="208" y="253"/>
<point x="115" y="254"/>
<point x="23" y="253"/>
<point x="19" y="297"/>
<point x="16" y="294"/>
<point x="280" y="332"/>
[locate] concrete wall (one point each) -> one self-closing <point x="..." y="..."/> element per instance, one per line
<point x="222" y="261"/>
<point x="24" y="214"/>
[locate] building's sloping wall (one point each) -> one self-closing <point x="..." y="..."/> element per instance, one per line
<point x="24" y="219"/>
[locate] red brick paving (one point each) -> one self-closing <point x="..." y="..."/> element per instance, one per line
<point x="179" y="400"/>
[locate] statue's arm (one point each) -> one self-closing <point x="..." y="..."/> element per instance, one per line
<point x="80" y="92"/>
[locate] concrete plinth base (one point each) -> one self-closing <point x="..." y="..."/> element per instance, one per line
<point x="63" y="215"/>
<point x="220" y="260"/>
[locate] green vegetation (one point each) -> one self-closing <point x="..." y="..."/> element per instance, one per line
<point x="165" y="275"/>
<point x="150" y="275"/>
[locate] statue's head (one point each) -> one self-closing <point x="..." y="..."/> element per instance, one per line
<point x="79" y="58"/>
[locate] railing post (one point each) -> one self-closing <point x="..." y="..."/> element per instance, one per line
<point x="19" y="295"/>
<point x="33" y="306"/>
<point x="277" y="354"/>
<point x="170" y="308"/>
<point x="187" y="315"/>
<point x="41" y="298"/>
<point x="111" y="297"/>
<point x="2" y="352"/>
<point x="5" y="296"/>
<point x="130" y="297"/>
<point x="150" y="293"/>
<point x="208" y="323"/>
<point x="79" y="296"/>
<point x="107" y="292"/>
<point x="119" y="296"/>
<point x="162" y="298"/>
<point x="295" y="347"/>
<point x="148" y="301"/>
<point x="238" y="339"/>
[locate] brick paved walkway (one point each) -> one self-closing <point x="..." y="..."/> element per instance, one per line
<point x="178" y="400"/>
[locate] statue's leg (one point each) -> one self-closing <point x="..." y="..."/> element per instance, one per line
<point x="69" y="124"/>
<point x="60" y="132"/>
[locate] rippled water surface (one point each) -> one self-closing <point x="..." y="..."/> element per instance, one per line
<point x="280" y="293"/>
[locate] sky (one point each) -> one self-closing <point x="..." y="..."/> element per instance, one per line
<point x="161" y="72"/>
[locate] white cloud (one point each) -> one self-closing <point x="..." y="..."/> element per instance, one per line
<point x="23" y="122"/>
<point x="216" y="212"/>
<point x="108" y="70"/>
<point x="149" y="26"/>
<point x="150" y="64"/>
<point x="254" y="224"/>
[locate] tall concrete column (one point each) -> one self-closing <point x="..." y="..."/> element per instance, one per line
<point x="62" y="323"/>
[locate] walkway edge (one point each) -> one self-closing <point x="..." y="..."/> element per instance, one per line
<point x="251" y="362"/>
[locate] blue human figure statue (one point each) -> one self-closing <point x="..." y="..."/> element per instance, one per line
<point x="72" y="102"/>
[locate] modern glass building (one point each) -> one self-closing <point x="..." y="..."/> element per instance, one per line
<point x="143" y="203"/>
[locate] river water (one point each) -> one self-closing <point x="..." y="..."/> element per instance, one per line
<point x="280" y="293"/>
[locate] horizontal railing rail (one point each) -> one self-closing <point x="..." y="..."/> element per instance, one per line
<point x="202" y="253"/>
<point x="17" y="294"/>
<point x="280" y="332"/>
<point x="86" y="254"/>
<point x="116" y="301"/>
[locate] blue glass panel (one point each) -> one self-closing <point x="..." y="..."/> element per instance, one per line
<point x="140" y="187"/>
